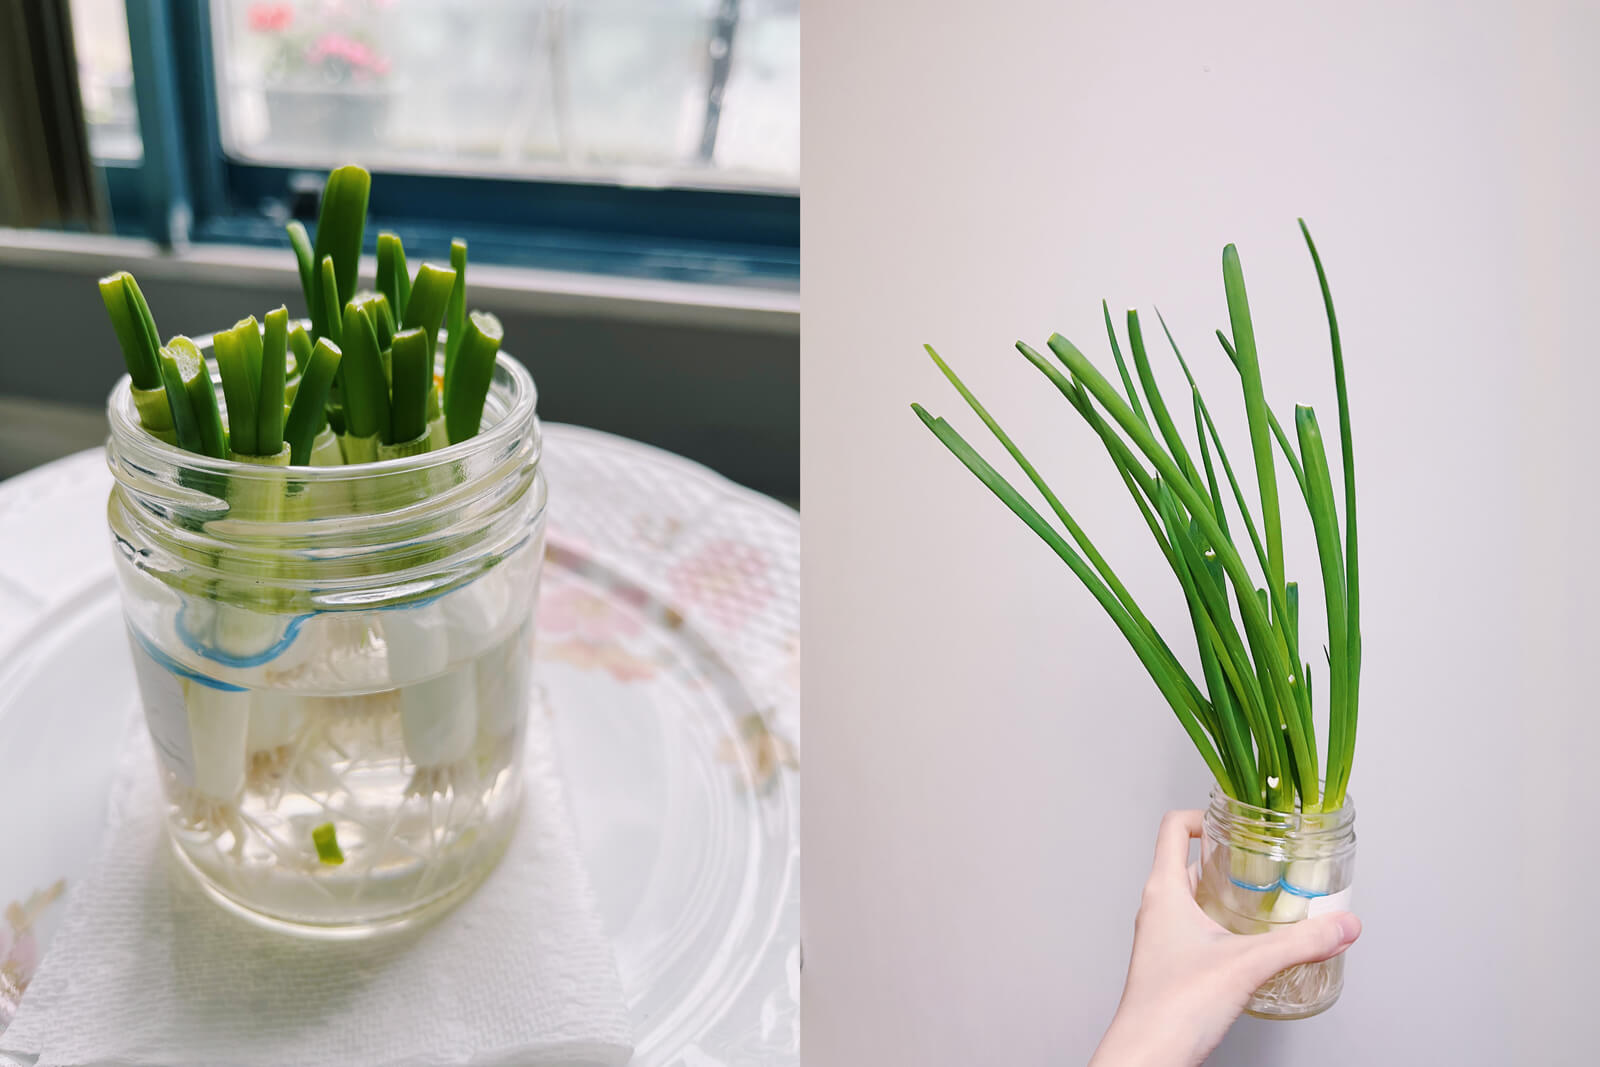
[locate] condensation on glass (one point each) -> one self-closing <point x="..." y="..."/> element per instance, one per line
<point x="653" y="92"/>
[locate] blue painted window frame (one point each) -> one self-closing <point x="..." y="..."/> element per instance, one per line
<point x="186" y="189"/>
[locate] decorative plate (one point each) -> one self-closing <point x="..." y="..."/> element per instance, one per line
<point x="668" y="659"/>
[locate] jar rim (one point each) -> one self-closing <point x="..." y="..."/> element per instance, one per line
<point x="1296" y="821"/>
<point x="521" y="397"/>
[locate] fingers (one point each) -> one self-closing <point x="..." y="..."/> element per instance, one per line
<point x="1311" y="941"/>
<point x="1171" y="865"/>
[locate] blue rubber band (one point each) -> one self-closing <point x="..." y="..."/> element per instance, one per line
<point x="163" y="660"/>
<point x="1307" y="893"/>
<point x="200" y="648"/>
<point x="1255" y="888"/>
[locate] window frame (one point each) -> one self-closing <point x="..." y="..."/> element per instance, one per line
<point x="185" y="188"/>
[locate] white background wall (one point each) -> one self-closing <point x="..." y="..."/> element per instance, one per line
<point x="986" y="762"/>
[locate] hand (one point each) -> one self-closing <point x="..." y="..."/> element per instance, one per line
<point x="1189" y="978"/>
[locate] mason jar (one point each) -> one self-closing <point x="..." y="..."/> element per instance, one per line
<point x="1261" y="870"/>
<point x="334" y="662"/>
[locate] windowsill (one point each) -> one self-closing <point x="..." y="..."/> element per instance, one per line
<point x="522" y="288"/>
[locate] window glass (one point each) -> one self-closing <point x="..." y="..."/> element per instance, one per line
<point x="698" y="93"/>
<point x="105" y="79"/>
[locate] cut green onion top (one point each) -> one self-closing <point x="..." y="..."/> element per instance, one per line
<point x="393" y="280"/>
<point x="185" y="427"/>
<point x="274" y="372"/>
<point x="341" y="221"/>
<point x="307" y="415"/>
<point x="240" y="388"/>
<point x="194" y="379"/>
<point x="365" y="389"/>
<point x="125" y="304"/>
<point x="456" y="320"/>
<point x="430" y="296"/>
<point x="413" y="377"/>
<point x="474" y="371"/>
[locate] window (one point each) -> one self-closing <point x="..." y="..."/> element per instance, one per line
<point x="105" y="79"/>
<point x="648" y="137"/>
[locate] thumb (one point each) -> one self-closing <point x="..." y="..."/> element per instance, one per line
<point x="1311" y="941"/>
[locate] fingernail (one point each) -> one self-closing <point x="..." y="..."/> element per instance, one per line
<point x="1349" y="928"/>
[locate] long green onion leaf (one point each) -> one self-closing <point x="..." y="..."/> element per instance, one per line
<point x="1136" y="638"/>
<point x="1106" y="395"/>
<point x="1352" y="567"/>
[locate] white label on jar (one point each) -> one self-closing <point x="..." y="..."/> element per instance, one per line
<point x="165" y="713"/>
<point x="1339" y="901"/>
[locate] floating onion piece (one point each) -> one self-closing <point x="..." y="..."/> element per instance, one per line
<point x="326" y="839"/>
<point x="466" y="388"/>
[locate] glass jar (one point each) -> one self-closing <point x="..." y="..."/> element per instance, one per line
<point x="1262" y="869"/>
<point x="334" y="662"/>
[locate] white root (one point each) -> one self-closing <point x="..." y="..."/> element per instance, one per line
<point x="219" y="721"/>
<point x="438" y="706"/>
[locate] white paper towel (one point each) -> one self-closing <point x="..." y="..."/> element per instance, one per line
<point x="146" y="970"/>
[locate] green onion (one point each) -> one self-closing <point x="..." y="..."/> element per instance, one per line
<point x="413" y="376"/>
<point x="365" y="391"/>
<point x="341" y="221"/>
<point x="393" y="281"/>
<point x="274" y="370"/>
<point x="306" y="260"/>
<point x="307" y="416"/>
<point x="1253" y="723"/>
<point x="326" y="840"/>
<point x="194" y="380"/>
<point x="240" y="387"/>
<point x="138" y="349"/>
<point x="185" y="425"/>
<point x="329" y="295"/>
<point x="457" y="318"/>
<point x="463" y="403"/>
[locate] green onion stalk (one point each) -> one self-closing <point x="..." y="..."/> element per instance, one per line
<point x="355" y="383"/>
<point x="1249" y="713"/>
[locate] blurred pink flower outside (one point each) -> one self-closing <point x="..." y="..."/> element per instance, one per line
<point x="271" y="18"/>
<point x="357" y="56"/>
